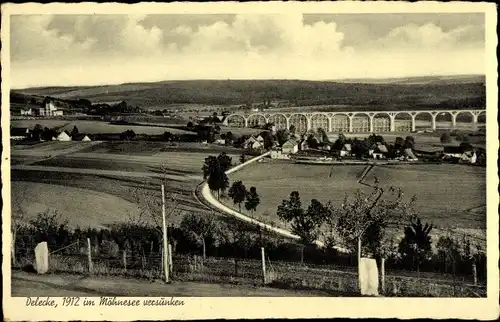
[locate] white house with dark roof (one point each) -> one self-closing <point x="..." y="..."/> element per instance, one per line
<point x="290" y="147"/>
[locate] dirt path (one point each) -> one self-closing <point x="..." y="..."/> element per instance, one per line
<point x="27" y="284"/>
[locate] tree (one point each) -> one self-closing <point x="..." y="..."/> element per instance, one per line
<point x="305" y="224"/>
<point x="415" y="246"/>
<point x="466" y="146"/>
<point x="323" y="135"/>
<point x="242" y="157"/>
<point x="74" y="132"/>
<point x="190" y="125"/>
<point x="36" y="133"/>
<point x="252" y="200"/>
<point x="409" y="142"/>
<point x="218" y="180"/>
<point x="292" y="129"/>
<point x="445" y="137"/>
<point x="225" y="161"/>
<point x="229" y="137"/>
<point x="312" y="142"/>
<point x="238" y="193"/>
<point x="268" y="139"/>
<point x="399" y="143"/>
<point x="363" y="219"/>
<point x="200" y="228"/>
<point x="282" y="136"/>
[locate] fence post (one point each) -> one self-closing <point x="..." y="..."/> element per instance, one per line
<point x="382" y="272"/>
<point x="124" y="259"/>
<point x="474" y="273"/>
<point x="89" y="251"/>
<point x="263" y="264"/>
<point x="170" y="265"/>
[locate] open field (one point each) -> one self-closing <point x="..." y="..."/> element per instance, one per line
<point x="118" y="187"/>
<point x="95" y="127"/>
<point x="450" y="196"/>
<point x="86" y="208"/>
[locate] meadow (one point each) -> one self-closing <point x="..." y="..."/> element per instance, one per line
<point x="96" y="127"/>
<point x="449" y="196"/>
<point x="87" y="208"/>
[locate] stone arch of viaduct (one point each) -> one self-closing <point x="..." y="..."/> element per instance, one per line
<point x="362" y="121"/>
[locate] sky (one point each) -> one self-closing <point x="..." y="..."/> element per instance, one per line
<point x="64" y="50"/>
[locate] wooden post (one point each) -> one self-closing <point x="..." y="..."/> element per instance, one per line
<point x="89" y="251"/>
<point x="165" y="243"/>
<point x="359" y="263"/>
<point x="263" y="264"/>
<point x="382" y="275"/>
<point x="170" y="257"/>
<point x="474" y="273"/>
<point x="302" y="254"/>
<point x="124" y="259"/>
<point x="195" y="263"/>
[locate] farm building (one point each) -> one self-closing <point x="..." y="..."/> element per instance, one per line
<point x="277" y="153"/>
<point x="63" y="136"/>
<point x="469" y="157"/>
<point x="48" y="109"/>
<point x="290" y="147"/>
<point x="81" y="137"/>
<point x="380" y="152"/>
<point x="86" y="139"/>
<point x="346" y="150"/>
<point x="260" y="139"/>
<point x="19" y="133"/>
<point x="252" y="143"/>
<point x="26" y="111"/>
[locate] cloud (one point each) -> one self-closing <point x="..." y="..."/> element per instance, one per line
<point x="430" y="36"/>
<point x="100" y="49"/>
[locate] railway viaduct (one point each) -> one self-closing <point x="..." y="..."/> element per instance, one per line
<point x="359" y="122"/>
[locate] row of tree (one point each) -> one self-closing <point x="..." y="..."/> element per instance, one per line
<point x="362" y="221"/>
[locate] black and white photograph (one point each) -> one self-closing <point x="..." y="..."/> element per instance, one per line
<point x="154" y="157"/>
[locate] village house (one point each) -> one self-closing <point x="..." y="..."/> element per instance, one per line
<point x="380" y="152"/>
<point x="48" y="108"/>
<point x="277" y="153"/>
<point x="252" y="144"/>
<point x="63" y="136"/>
<point x="303" y="145"/>
<point x="468" y="157"/>
<point x="290" y="147"/>
<point x="19" y="133"/>
<point x="26" y="111"/>
<point x="219" y="140"/>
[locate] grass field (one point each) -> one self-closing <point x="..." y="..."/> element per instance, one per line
<point x="118" y="189"/>
<point x="450" y="196"/>
<point x="94" y="127"/>
<point x="86" y="207"/>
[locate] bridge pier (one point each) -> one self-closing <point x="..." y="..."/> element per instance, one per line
<point x="309" y="123"/>
<point x="371" y="123"/>
<point x="287" y="123"/>
<point x="392" y="117"/>
<point x="413" y="123"/>
<point x="433" y="121"/>
<point x="453" y="120"/>
<point x="351" y="118"/>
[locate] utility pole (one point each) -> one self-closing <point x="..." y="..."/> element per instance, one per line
<point x="165" y="242"/>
